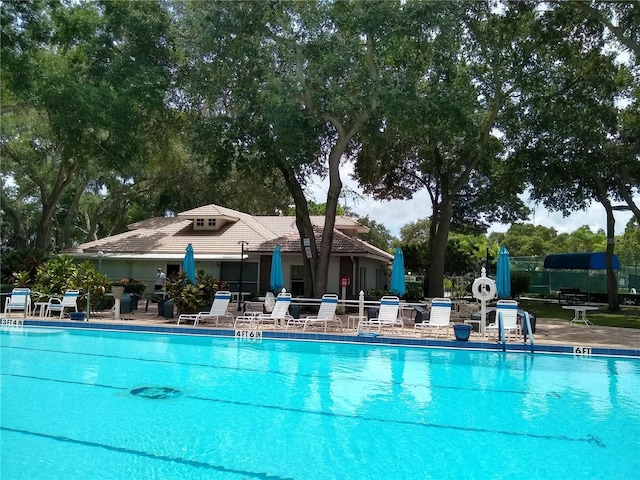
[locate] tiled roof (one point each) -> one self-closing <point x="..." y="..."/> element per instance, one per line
<point x="171" y="235"/>
<point x="342" y="244"/>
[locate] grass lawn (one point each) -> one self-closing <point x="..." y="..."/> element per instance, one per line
<point x="628" y="316"/>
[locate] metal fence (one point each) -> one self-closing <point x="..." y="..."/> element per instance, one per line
<point x="549" y="281"/>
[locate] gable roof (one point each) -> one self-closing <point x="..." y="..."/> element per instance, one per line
<point x="167" y="237"/>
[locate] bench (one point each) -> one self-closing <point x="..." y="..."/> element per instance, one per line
<point x="571" y="295"/>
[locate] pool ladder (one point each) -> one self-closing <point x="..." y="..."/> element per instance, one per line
<point x="527" y="326"/>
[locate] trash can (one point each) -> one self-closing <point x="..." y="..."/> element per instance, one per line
<point x="422" y="315"/>
<point x="372" y="312"/>
<point x="294" y="310"/>
<point x="135" y="298"/>
<point x="125" y="303"/>
<point x="167" y="308"/>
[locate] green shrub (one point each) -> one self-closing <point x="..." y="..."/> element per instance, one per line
<point x="26" y="259"/>
<point x="61" y="273"/>
<point x="520" y="283"/>
<point x="415" y="291"/>
<point x="192" y="298"/>
<point x="376" y="294"/>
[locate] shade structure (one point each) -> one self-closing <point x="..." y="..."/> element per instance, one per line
<point x="275" y="279"/>
<point x="579" y="261"/>
<point x="189" y="264"/>
<point x="397" y="273"/>
<point x="503" y="277"/>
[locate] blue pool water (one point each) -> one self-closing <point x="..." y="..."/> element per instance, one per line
<point x="106" y="405"/>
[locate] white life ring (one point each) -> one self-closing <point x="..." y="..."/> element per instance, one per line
<point x="269" y="302"/>
<point x="484" y="288"/>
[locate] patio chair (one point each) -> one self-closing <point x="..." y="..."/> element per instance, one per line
<point x="68" y="300"/>
<point x="326" y="315"/>
<point x="20" y="300"/>
<point x="387" y="317"/>
<point x="278" y="314"/>
<point x="508" y="311"/>
<point x="218" y="310"/>
<point x="439" y="318"/>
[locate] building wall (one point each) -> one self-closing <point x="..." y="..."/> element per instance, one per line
<point x="145" y="271"/>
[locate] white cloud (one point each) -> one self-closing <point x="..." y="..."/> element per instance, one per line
<point x="395" y="214"/>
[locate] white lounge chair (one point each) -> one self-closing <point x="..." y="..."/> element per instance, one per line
<point x="387" y="317"/>
<point x="326" y="315"/>
<point x="508" y="311"/>
<point x="20" y="300"/>
<point x="218" y="310"/>
<point x="439" y="318"/>
<point x="69" y="300"/>
<point x="279" y="314"/>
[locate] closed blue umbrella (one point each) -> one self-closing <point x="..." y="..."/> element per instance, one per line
<point x="397" y="273"/>
<point x="189" y="264"/>
<point x="503" y="276"/>
<point x="275" y="280"/>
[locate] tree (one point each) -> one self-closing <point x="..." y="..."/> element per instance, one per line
<point x="378" y="235"/>
<point x="286" y="87"/>
<point x="525" y="239"/>
<point x="628" y="245"/>
<point x="84" y="87"/>
<point x="455" y="78"/>
<point x="567" y="129"/>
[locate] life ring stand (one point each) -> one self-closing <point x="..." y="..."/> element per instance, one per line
<point x="484" y="288"/>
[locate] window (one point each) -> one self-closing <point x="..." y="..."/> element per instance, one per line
<point x="381" y="281"/>
<point x="212" y="222"/>
<point x="362" y="279"/>
<point x="297" y="280"/>
<point x="230" y="273"/>
<point x="199" y="222"/>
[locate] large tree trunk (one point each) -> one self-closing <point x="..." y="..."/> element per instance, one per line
<point x="333" y="197"/>
<point x="69" y="222"/>
<point x="13" y="216"/>
<point x="438" y="247"/>
<point x="49" y="202"/>
<point x="305" y="229"/>
<point x="612" y="281"/>
<point x="628" y="198"/>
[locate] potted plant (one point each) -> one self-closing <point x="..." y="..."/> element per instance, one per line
<point x="462" y="331"/>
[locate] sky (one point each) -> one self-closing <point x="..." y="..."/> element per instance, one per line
<point x="395" y="214"/>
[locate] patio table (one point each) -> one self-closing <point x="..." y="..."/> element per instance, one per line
<point x="580" y="313"/>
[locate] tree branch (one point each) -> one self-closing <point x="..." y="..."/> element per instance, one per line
<point x="618" y="32"/>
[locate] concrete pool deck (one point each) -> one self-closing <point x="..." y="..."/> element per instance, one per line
<point x="549" y="332"/>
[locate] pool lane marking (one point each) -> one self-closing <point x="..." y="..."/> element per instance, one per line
<point x="277" y="372"/>
<point x="142" y="453"/>
<point x="591" y="439"/>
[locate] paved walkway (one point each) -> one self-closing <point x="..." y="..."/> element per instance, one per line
<point x="548" y="331"/>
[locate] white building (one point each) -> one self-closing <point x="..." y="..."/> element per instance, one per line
<point x="219" y="235"/>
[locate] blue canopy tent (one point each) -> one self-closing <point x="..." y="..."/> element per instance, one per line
<point x="580" y="261"/>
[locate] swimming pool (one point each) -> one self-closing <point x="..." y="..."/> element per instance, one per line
<point x="107" y="405"/>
